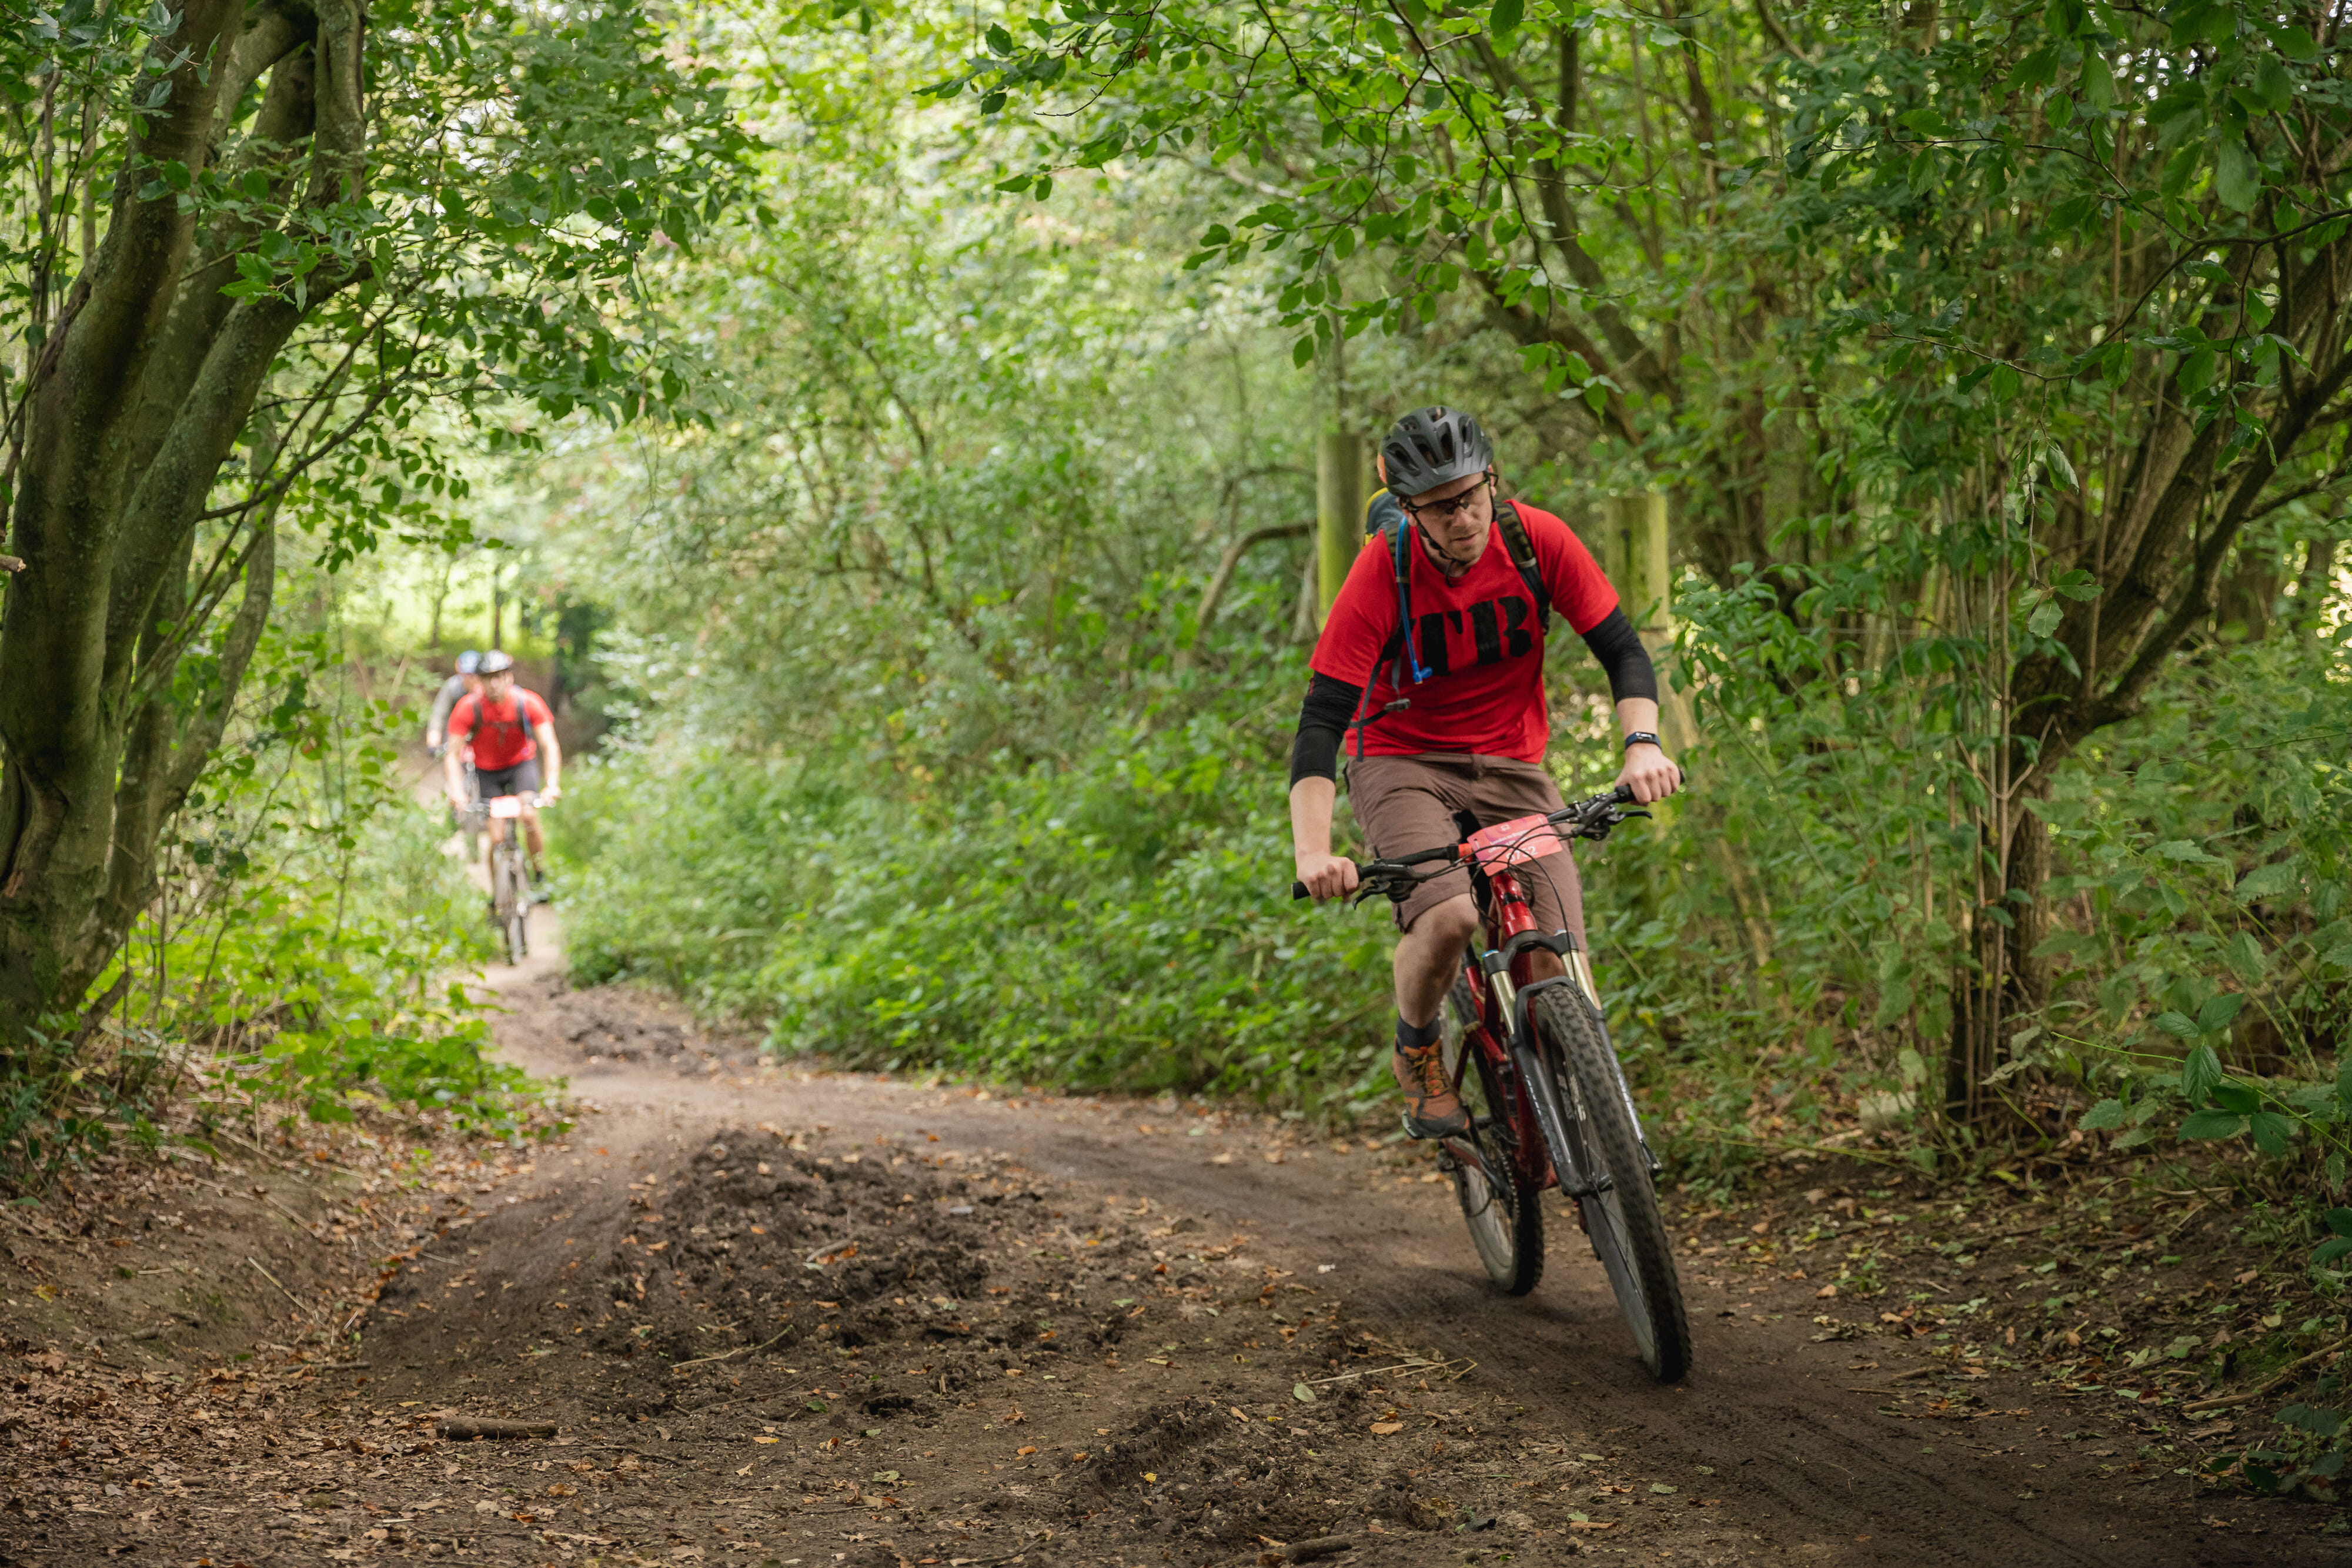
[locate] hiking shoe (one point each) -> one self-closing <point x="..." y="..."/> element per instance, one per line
<point x="1432" y="1109"/>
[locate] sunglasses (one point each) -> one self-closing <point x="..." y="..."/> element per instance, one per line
<point x="1454" y="506"/>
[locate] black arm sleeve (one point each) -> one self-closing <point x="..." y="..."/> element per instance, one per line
<point x="1619" y="651"/>
<point x="1323" y="722"/>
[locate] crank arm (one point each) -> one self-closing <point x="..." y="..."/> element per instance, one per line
<point x="1455" y="1155"/>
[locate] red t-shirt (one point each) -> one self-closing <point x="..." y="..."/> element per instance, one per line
<point x="1478" y="633"/>
<point x="505" y="738"/>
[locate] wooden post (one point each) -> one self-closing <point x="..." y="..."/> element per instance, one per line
<point x="1340" y="470"/>
<point x="1636" y="555"/>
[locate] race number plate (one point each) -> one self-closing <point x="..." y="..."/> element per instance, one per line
<point x="504" y="806"/>
<point x="1515" y="843"/>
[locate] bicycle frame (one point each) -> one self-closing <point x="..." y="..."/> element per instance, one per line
<point x="1557" y="1111"/>
<point x="1501" y="980"/>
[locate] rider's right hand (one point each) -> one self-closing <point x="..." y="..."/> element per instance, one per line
<point x="1327" y="875"/>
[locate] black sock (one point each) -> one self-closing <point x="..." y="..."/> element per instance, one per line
<point x="1409" y="1037"/>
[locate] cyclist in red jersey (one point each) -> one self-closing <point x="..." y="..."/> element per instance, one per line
<point x="1440" y="682"/>
<point x="511" y="730"/>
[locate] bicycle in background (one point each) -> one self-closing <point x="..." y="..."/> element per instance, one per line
<point x="513" y="889"/>
<point x="1531" y="1060"/>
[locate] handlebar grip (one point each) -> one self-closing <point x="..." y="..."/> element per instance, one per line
<point x="1298" y="890"/>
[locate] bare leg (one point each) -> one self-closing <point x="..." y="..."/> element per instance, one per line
<point x="530" y="834"/>
<point x="1429" y="955"/>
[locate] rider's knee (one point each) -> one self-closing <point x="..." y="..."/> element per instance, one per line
<point x="1450" y="922"/>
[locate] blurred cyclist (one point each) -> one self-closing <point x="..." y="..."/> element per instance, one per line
<point x="509" y="730"/>
<point x="463" y="683"/>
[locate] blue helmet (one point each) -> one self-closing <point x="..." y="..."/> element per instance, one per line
<point x="469" y="662"/>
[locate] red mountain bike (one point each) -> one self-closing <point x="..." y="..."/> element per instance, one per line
<point x="1530" y="1058"/>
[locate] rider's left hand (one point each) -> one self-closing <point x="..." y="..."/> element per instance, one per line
<point x="1651" y="773"/>
<point x="551" y="794"/>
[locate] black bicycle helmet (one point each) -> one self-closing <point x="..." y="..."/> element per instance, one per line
<point x="1433" y="446"/>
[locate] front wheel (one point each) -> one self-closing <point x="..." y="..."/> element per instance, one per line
<point x="1504" y="1214"/>
<point x="1620" y="1205"/>
<point x="509" y="901"/>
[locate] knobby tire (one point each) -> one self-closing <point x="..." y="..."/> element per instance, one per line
<point x="510" y="903"/>
<point x="1627" y="1230"/>
<point x="1505" y="1220"/>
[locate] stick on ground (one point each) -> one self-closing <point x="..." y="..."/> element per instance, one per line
<point x="467" y="1429"/>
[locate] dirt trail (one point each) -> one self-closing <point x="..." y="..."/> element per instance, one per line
<point x="795" y="1319"/>
<point x="1774" y="1450"/>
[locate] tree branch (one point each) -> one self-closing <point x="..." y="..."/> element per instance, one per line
<point x="1227" y="565"/>
<point x="2197" y="602"/>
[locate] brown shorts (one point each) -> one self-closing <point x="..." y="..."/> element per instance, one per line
<point x="1407" y="803"/>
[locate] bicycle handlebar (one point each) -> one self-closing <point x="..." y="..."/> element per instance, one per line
<point x="1591" y="818"/>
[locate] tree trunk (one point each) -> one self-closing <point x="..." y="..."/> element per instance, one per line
<point x="2317" y="583"/>
<point x="2028" y="991"/>
<point x="440" y="597"/>
<point x="142" y="393"/>
<point x="2241" y="610"/>
<point x="1998" y="982"/>
<point x="1977" y="980"/>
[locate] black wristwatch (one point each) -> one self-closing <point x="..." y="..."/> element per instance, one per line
<point x="1641" y="736"/>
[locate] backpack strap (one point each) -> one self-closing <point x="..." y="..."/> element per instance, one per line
<point x="1396" y="532"/>
<point x="1523" y="556"/>
<point x="1384" y="515"/>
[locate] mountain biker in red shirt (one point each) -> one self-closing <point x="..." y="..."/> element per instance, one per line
<point x="1448" y="714"/>
<point x="510" y="729"/>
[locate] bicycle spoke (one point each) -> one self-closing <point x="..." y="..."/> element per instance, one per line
<point x="1504" y="1213"/>
<point x="1619" y="1202"/>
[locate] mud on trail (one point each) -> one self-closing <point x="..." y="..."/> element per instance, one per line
<point x="786" y="1317"/>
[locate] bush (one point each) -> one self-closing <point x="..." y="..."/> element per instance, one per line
<point x="1123" y="922"/>
<point x="301" y="960"/>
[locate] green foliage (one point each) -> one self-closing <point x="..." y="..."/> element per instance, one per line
<point x="1120" y="922"/>
<point x="907" y="644"/>
<point x="310" y="944"/>
<point x="301" y="960"/>
<point x="2309" y="1452"/>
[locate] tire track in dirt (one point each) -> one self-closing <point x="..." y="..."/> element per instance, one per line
<point x="826" y="1320"/>
<point x="1789" y="1461"/>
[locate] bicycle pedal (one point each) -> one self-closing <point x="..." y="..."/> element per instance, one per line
<point x="1417" y="1135"/>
